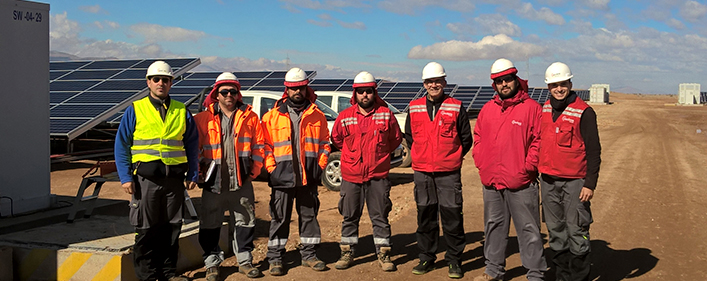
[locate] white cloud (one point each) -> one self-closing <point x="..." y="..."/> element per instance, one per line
<point x="692" y="11"/>
<point x="676" y="24"/>
<point x="109" y="24"/>
<point x="325" y="17"/>
<point x="335" y="5"/>
<point x="409" y="7"/>
<point x="63" y="33"/>
<point x="597" y="4"/>
<point x="489" y="47"/>
<point x="319" y="23"/>
<point x="112" y="24"/>
<point x="158" y="33"/>
<point x="544" y="14"/>
<point x="93" y="9"/>
<point x="352" y="25"/>
<point x="497" y="24"/>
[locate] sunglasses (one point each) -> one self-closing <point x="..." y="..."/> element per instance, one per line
<point x="361" y="91"/>
<point x="507" y="79"/>
<point x="163" y="79"/>
<point x="225" y="92"/>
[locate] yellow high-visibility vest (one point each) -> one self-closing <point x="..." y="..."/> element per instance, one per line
<point x="155" y="139"/>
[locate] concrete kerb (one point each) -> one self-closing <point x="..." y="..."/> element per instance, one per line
<point x="99" y="248"/>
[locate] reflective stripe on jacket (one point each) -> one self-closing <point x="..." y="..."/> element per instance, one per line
<point x="437" y="146"/>
<point x="365" y="155"/>
<point x="248" y="139"/>
<point x="155" y="139"/>
<point x="314" y="144"/>
<point x="562" y="151"/>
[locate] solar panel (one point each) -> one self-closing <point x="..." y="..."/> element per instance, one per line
<point x="83" y="94"/>
<point x="466" y="94"/>
<point x="703" y="97"/>
<point x="484" y="95"/>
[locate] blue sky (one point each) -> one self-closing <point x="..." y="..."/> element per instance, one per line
<point x="634" y="45"/>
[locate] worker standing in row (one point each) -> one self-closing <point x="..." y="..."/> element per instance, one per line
<point x="296" y="152"/>
<point x="231" y="141"/>
<point x="156" y="147"/>
<point x="506" y="144"/>
<point x="570" y="156"/>
<point x="439" y="135"/>
<point x="366" y="133"/>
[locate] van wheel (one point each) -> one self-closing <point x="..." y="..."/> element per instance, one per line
<point x="331" y="178"/>
<point x="407" y="159"/>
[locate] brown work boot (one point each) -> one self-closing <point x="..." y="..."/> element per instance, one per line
<point x="276" y="269"/>
<point x="315" y="263"/>
<point x="347" y="257"/>
<point x="485" y="277"/>
<point x="384" y="259"/>
<point x="249" y="270"/>
<point x="178" y="278"/>
<point x="212" y="274"/>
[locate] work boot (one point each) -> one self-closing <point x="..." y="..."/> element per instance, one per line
<point x="384" y="259"/>
<point x="423" y="267"/>
<point x="315" y="264"/>
<point x="485" y="277"/>
<point x="455" y="271"/>
<point x="178" y="278"/>
<point x="249" y="270"/>
<point x="347" y="257"/>
<point x="212" y="274"/>
<point x="276" y="269"/>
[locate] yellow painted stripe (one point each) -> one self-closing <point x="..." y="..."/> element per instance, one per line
<point x="110" y="271"/>
<point x="32" y="261"/>
<point x="71" y="265"/>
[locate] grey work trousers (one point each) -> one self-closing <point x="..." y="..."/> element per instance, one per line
<point x="439" y="195"/>
<point x="523" y="206"/>
<point x="376" y="194"/>
<point x="156" y="214"/>
<point x="567" y="221"/>
<point x="241" y="206"/>
<point x="306" y="201"/>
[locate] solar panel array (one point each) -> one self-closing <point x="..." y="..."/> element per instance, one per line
<point x="703" y="97"/>
<point x="83" y="94"/>
<point x="583" y="94"/>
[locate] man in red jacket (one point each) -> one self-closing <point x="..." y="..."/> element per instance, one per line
<point x="505" y="150"/>
<point x="570" y="156"/>
<point x="366" y="134"/>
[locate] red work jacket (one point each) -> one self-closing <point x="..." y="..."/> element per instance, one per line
<point x="436" y="146"/>
<point x="562" y="151"/>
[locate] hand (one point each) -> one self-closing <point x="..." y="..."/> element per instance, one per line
<point x="191" y="185"/>
<point x="128" y="187"/>
<point x="586" y="194"/>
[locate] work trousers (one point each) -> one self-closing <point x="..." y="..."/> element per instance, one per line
<point x="523" y="206"/>
<point x="567" y="221"/>
<point x="438" y="195"/>
<point x="156" y="214"/>
<point x="374" y="193"/>
<point x="306" y="201"/>
<point x="241" y="206"/>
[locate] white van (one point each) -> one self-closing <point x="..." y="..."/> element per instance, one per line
<point x="263" y="101"/>
<point x="338" y="101"/>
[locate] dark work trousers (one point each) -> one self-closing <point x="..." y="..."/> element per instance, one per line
<point x="523" y="205"/>
<point x="376" y="194"/>
<point x="568" y="222"/>
<point x="241" y="205"/>
<point x="438" y="195"/>
<point x="156" y="213"/>
<point x="306" y="201"/>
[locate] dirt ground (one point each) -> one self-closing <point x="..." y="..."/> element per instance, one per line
<point x="649" y="207"/>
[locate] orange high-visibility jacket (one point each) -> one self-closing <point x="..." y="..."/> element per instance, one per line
<point x="248" y="139"/>
<point x="314" y="145"/>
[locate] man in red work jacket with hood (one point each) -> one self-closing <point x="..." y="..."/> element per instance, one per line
<point x="506" y="143"/>
<point x="366" y="134"/>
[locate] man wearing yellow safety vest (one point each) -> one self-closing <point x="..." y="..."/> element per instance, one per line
<point x="231" y="141"/>
<point x="156" y="150"/>
<point x="296" y="152"/>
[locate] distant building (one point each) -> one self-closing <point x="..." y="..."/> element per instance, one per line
<point x="599" y="93"/>
<point x="689" y="93"/>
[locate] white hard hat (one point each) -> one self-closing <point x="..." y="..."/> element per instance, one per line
<point x="226" y="76"/>
<point x="296" y="77"/>
<point x="502" y="67"/>
<point x="557" y="72"/>
<point x="159" y="68"/>
<point x="433" y="70"/>
<point x="364" y="79"/>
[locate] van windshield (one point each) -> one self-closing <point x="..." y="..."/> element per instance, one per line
<point x="328" y="112"/>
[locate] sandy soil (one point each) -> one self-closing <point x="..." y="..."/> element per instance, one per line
<point x="649" y="207"/>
